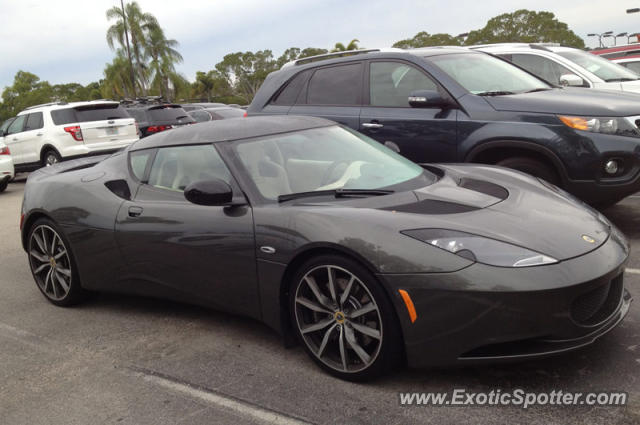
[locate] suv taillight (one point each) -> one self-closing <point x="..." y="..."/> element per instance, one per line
<point x="75" y="132"/>
<point x="158" y="128"/>
<point x="5" y="151"/>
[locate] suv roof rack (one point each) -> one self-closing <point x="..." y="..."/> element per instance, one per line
<point x="45" y="104"/>
<point x="338" y="54"/>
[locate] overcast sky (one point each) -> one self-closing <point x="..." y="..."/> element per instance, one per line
<point x="64" y="40"/>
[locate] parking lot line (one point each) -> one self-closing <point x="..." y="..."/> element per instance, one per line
<point x="632" y="271"/>
<point x="231" y="403"/>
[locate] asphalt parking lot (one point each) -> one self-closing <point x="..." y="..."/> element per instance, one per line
<point x="128" y="360"/>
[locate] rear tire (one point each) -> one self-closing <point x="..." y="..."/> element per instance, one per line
<point x="533" y="167"/>
<point x="350" y="331"/>
<point x="52" y="264"/>
<point x="50" y="157"/>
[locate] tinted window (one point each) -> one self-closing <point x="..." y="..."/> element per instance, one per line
<point x="634" y="66"/>
<point x="16" y="126"/>
<point x="544" y="68"/>
<point x="100" y="112"/>
<point x="139" y="160"/>
<point x="138" y="114"/>
<point x="169" y="114"/>
<point x="6" y="125"/>
<point x="34" y="121"/>
<point x="175" y="168"/>
<point x="200" y="116"/>
<point x="390" y="83"/>
<point x="338" y="85"/>
<point x="290" y="93"/>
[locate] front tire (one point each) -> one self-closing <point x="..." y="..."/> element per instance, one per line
<point x="3" y="185"/>
<point x="343" y="318"/>
<point x="52" y="264"/>
<point x="533" y="167"/>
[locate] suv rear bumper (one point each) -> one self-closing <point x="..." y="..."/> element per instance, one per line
<point x="95" y="148"/>
<point x="7" y="170"/>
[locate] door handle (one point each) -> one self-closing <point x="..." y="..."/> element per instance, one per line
<point x="135" y="211"/>
<point x="15" y="139"/>
<point x="372" y="125"/>
<point x="39" y="134"/>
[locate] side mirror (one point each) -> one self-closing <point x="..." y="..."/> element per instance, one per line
<point x="571" y="80"/>
<point x="209" y="192"/>
<point x="428" y="99"/>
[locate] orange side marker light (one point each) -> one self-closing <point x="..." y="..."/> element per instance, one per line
<point x="411" y="309"/>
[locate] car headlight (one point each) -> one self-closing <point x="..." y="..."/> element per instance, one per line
<point x="606" y="125"/>
<point x="480" y="249"/>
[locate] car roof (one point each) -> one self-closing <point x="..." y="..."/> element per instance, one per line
<point x="63" y="105"/>
<point x="230" y="130"/>
<point x="629" y="58"/>
<point x="504" y="47"/>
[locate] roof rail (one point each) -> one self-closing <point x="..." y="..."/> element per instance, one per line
<point x="44" y="104"/>
<point x="337" y="55"/>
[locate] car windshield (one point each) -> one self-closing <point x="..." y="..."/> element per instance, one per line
<point x="485" y="75"/>
<point x="602" y="68"/>
<point x="325" y="159"/>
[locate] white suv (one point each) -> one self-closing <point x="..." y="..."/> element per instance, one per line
<point x="566" y="66"/>
<point x="6" y="166"/>
<point x="45" y="134"/>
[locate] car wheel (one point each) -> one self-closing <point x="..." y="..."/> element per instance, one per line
<point x="531" y="166"/>
<point x="50" y="158"/>
<point x="52" y="264"/>
<point x="3" y="185"/>
<point x="343" y="319"/>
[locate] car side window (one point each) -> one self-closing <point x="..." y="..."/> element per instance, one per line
<point x="391" y="83"/>
<point x="17" y="125"/>
<point x="139" y="160"/>
<point x="542" y="67"/>
<point x="633" y="66"/>
<point x="34" y="121"/>
<point x="177" y="167"/>
<point x="289" y="94"/>
<point x="336" y="85"/>
<point x="5" y="125"/>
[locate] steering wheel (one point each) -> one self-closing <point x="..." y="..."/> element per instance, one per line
<point x="326" y="177"/>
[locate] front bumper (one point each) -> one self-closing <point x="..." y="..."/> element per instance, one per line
<point x="487" y="314"/>
<point x="7" y="170"/>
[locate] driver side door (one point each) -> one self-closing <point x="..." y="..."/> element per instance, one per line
<point x="180" y="250"/>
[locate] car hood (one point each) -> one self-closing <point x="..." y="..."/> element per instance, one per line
<point x="497" y="203"/>
<point x="570" y="101"/>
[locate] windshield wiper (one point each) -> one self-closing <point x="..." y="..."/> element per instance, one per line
<point x="538" y="89"/>
<point x="613" y="80"/>
<point x="495" y="93"/>
<point x="338" y="193"/>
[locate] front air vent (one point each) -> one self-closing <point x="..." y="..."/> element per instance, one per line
<point x="598" y="304"/>
<point x="432" y="206"/>
<point x="487" y="188"/>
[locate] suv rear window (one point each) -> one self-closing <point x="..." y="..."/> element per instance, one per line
<point x="169" y="114"/>
<point x="101" y="112"/>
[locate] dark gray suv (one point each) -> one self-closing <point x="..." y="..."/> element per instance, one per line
<point x="458" y="105"/>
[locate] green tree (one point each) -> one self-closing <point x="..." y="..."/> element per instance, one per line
<point x="352" y="45"/>
<point x="312" y="51"/>
<point x="27" y="90"/>
<point x="117" y="82"/>
<point x="245" y="71"/>
<point x="424" y="39"/>
<point x="138" y="25"/>
<point x="210" y="85"/>
<point x="526" y="26"/>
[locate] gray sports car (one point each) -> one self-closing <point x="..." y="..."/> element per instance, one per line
<point x="365" y="258"/>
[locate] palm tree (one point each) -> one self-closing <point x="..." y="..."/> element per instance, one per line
<point x="137" y="23"/>
<point x="353" y="45"/>
<point x="117" y="82"/>
<point x="163" y="56"/>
